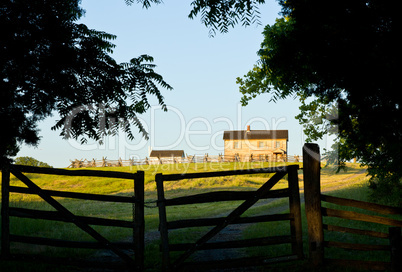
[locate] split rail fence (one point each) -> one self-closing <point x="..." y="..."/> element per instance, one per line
<point x="104" y="162"/>
<point x="63" y="214"/>
<point x="218" y="224"/>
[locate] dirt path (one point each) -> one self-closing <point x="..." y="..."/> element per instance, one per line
<point x="231" y="233"/>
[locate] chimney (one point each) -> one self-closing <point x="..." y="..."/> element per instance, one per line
<point x="248" y="128"/>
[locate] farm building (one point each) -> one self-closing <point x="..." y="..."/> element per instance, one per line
<point x="271" y="145"/>
<point x="167" y="154"/>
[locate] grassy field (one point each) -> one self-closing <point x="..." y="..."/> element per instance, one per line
<point x="350" y="184"/>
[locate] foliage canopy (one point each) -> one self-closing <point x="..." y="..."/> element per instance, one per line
<point x="51" y="64"/>
<point x="219" y="15"/>
<point x="340" y="60"/>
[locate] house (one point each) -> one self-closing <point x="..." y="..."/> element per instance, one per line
<point x="270" y="145"/>
<point x="167" y="154"/>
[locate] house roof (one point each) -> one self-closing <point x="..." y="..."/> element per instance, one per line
<point x="167" y="153"/>
<point x="255" y="134"/>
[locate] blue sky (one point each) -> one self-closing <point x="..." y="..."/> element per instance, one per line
<point x="202" y="70"/>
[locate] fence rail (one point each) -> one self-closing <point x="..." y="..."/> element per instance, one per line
<point x="394" y="234"/>
<point x="64" y="215"/>
<point x="104" y="162"/>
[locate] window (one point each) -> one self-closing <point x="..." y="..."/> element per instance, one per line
<point x="277" y="144"/>
<point x="260" y="144"/>
<point x="236" y="145"/>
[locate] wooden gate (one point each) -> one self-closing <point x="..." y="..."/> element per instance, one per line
<point x="64" y="215"/>
<point x="218" y="224"/>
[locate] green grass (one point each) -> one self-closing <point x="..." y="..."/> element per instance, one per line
<point x="67" y="231"/>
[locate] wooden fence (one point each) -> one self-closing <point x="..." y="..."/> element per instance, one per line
<point x="316" y="227"/>
<point x="315" y="213"/>
<point x="104" y="162"/>
<point x="64" y="215"/>
<point x="218" y="224"/>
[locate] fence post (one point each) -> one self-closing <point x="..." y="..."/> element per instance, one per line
<point x="139" y="221"/>
<point x="396" y="250"/>
<point x="5" y="211"/>
<point x="312" y="193"/>
<point x="294" y="205"/>
<point x="163" y="229"/>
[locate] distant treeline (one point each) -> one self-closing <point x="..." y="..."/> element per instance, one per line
<point x="29" y="161"/>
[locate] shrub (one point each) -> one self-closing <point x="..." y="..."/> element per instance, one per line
<point x="30" y="162"/>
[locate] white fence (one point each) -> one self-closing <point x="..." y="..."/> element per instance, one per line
<point x="104" y="162"/>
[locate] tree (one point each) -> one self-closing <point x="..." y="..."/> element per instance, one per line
<point x="341" y="54"/>
<point x="30" y="162"/>
<point x="51" y="64"/>
<point x="219" y="15"/>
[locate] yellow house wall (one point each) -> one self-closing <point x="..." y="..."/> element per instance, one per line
<point x="248" y="147"/>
